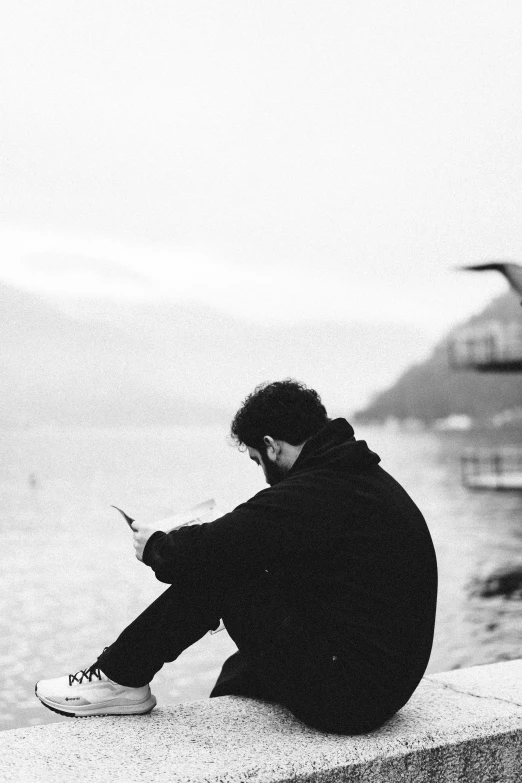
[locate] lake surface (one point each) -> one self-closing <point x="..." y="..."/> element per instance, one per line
<point x="70" y="581"/>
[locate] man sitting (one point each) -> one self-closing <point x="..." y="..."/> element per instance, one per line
<point x="326" y="581"/>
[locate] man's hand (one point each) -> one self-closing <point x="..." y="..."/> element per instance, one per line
<point x="142" y="533"/>
<point x="203" y="512"/>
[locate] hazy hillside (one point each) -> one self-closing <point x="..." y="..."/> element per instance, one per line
<point x="106" y="362"/>
<point x="432" y="390"/>
<point x="57" y="369"/>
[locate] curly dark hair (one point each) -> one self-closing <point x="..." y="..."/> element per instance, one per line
<point x="286" y="410"/>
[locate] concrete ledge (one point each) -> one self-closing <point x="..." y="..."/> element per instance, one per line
<point x="464" y="725"/>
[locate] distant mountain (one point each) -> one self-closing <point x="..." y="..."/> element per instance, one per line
<point x="432" y="390"/>
<point x="106" y="362"/>
<point x="61" y="370"/>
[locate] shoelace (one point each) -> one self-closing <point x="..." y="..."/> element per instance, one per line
<point x="88" y="674"/>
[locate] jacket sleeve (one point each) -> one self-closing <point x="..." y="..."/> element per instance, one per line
<point x="258" y="535"/>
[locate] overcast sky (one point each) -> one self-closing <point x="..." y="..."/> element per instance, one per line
<point x="281" y="160"/>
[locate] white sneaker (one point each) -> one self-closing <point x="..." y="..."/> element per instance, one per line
<point x="90" y="692"/>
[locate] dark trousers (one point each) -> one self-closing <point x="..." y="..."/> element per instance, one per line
<point x="279" y="658"/>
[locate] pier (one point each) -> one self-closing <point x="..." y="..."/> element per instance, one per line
<point x="490" y="468"/>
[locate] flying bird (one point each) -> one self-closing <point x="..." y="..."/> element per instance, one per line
<point x="512" y="272"/>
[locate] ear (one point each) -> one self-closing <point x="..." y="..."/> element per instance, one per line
<point x="273" y="447"/>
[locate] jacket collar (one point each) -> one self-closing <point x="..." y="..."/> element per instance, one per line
<point x="335" y="432"/>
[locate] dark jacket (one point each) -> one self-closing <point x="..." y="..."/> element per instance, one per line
<point x="346" y="540"/>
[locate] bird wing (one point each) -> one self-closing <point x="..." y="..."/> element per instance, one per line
<point x="497" y="265"/>
<point x="512" y="272"/>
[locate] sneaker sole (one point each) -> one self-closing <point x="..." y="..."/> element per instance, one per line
<point x="90" y="710"/>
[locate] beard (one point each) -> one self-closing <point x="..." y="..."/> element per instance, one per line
<point x="273" y="473"/>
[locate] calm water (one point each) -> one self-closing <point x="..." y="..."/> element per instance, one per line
<point x="70" y="581"/>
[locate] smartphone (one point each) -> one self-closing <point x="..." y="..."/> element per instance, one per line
<point x="129" y="520"/>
